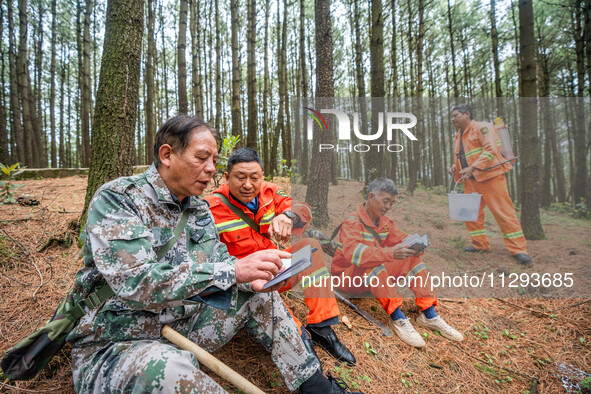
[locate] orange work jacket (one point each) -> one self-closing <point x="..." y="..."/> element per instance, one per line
<point x="482" y="148"/>
<point x="358" y="247"/>
<point x="238" y="236"/>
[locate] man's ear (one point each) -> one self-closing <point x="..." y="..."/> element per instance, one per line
<point x="227" y="176"/>
<point x="165" y="152"/>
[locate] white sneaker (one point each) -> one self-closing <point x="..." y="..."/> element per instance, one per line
<point x="437" y="323"/>
<point x="407" y="333"/>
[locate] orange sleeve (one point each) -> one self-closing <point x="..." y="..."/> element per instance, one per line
<point x="361" y="250"/>
<point x="395" y="236"/>
<point x="488" y="138"/>
<point x="281" y="199"/>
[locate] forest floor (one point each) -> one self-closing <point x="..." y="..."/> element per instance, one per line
<point x="512" y="344"/>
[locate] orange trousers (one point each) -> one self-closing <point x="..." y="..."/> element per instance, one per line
<point x="495" y="196"/>
<point x="320" y="300"/>
<point x="381" y="281"/>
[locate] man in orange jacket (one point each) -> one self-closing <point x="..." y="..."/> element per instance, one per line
<point x="276" y="216"/>
<point x="372" y="248"/>
<point x="483" y="168"/>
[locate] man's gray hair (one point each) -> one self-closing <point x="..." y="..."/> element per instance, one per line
<point x="382" y="185"/>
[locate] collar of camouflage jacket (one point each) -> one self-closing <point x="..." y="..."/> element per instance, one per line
<point x="164" y="195"/>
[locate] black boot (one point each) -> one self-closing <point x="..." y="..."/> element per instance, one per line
<point x="326" y="338"/>
<point x="522" y="258"/>
<point x="339" y="386"/>
<point x="319" y="384"/>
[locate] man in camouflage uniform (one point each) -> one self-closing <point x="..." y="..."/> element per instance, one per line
<point x="197" y="287"/>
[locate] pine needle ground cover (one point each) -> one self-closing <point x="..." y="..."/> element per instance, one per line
<point x="512" y="344"/>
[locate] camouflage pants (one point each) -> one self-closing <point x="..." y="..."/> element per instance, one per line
<point x="156" y="366"/>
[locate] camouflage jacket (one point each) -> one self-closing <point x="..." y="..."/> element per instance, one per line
<point x="129" y="219"/>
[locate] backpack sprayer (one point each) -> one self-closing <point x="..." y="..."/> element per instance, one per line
<point x="465" y="207"/>
<point x="506" y="149"/>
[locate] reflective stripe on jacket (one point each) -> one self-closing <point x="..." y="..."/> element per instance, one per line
<point x="482" y="147"/>
<point x="358" y="247"/>
<point x="238" y="236"/>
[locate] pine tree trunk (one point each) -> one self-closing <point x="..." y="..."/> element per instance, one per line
<point x="374" y="167"/>
<point x="265" y="153"/>
<point x="317" y="192"/>
<point x="4" y="153"/>
<point x="164" y="65"/>
<point x="218" y="64"/>
<point x="39" y="142"/>
<point x="530" y="214"/>
<point x="52" y="83"/>
<point x="27" y="103"/>
<point x="236" y="112"/>
<point x="494" y="37"/>
<point x="360" y="83"/>
<point x="580" y="137"/>
<point x="149" y="80"/>
<point x="280" y="120"/>
<point x="85" y="88"/>
<point x="251" y="139"/>
<point x="117" y="96"/>
<point x="15" y="107"/>
<point x="182" y="62"/>
<point x="197" y="55"/>
<point x="452" y="49"/>
<point x="62" y="146"/>
<point x="300" y="147"/>
<point x="286" y="131"/>
<point x="394" y="54"/>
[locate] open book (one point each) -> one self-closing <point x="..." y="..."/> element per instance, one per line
<point x="299" y="261"/>
<point x="416" y="242"/>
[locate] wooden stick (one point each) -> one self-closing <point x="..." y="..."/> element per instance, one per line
<point x="210" y="361"/>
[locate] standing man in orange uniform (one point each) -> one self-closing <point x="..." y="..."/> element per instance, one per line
<point x="271" y="213"/>
<point x="477" y="148"/>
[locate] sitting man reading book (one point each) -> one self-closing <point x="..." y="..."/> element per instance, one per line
<point x="249" y="211"/>
<point x="372" y="247"/>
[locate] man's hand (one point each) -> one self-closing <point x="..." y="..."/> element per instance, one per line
<point x="402" y="252"/>
<point x="257" y="286"/>
<point x="452" y="169"/>
<point x="280" y="227"/>
<point x="467" y="172"/>
<point x="260" y="267"/>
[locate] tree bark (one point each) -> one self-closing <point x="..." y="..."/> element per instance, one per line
<point x="218" y="64"/>
<point x="4" y="152"/>
<point x="197" y="55"/>
<point x="265" y="152"/>
<point x="17" y="126"/>
<point x="579" y="134"/>
<point x="62" y="146"/>
<point x="85" y="86"/>
<point x="149" y="79"/>
<point x="317" y="191"/>
<point x="452" y="49"/>
<point x="360" y="82"/>
<point x="374" y="166"/>
<point x="530" y="203"/>
<point x="236" y="112"/>
<point x="27" y="102"/>
<point x="181" y="60"/>
<point x="52" y="83"/>
<point x="251" y="139"/>
<point x="164" y="65"/>
<point x="117" y="96"/>
<point x="286" y="129"/>
<point x="303" y="86"/>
